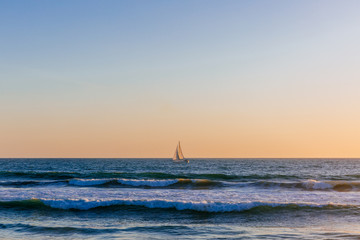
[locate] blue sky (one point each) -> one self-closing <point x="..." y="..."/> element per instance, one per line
<point x="235" y="69"/>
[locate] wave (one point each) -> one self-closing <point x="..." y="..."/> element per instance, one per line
<point x="71" y="175"/>
<point x="310" y="184"/>
<point x="39" y="175"/>
<point x="138" y="175"/>
<point x="146" y="182"/>
<point x="31" y="183"/>
<point x="29" y="228"/>
<point x="340" y="186"/>
<point x="129" y="182"/>
<point x="200" y="206"/>
<point x="88" y="182"/>
<point x="57" y="230"/>
<point x="122" y="182"/>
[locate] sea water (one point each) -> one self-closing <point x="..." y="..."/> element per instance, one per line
<point x="162" y="199"/>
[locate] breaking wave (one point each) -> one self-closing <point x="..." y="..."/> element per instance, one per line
<point x="146" y="182"/>
<point x="139" y="175"/>
<point x="122" y="182"/>
<point x="340" y="186"/>
<point x="201" y="206"/>
<point x="200" y="183"/>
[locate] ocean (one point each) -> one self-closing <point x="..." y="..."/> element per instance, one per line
<point x="162" y="199"/>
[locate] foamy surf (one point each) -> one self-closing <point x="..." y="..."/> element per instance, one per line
<point x="313" y="184"/>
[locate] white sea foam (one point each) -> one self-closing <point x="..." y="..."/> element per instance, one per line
<point x="313" y="184"/>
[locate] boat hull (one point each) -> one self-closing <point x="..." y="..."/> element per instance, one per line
<point x="181" y="161"/>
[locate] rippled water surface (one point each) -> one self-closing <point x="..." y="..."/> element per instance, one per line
<point x="161" y="199"/>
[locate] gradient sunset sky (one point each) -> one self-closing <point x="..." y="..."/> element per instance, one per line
<point x="227" y="78"/>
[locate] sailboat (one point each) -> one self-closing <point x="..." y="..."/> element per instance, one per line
<point x="179" y="156"/>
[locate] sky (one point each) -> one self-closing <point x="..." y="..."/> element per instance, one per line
<point x="123" y="79"/>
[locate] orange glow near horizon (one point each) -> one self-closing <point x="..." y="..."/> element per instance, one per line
<point x="207" y="134"/>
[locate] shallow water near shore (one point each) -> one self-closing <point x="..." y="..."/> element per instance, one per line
<point x="160" y="199"/>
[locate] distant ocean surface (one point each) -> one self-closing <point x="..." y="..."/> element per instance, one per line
<point x="160" y="199"/>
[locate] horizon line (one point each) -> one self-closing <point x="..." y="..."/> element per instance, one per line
<point x="186" y="158"/>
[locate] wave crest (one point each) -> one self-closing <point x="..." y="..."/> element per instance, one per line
<point x="146" y="182"/>
<point x="311" y="184"/>
<point x="138" y="175"/>
<point x="201" y="206"/>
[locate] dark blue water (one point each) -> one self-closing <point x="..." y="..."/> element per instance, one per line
<point x="161" y="199"/>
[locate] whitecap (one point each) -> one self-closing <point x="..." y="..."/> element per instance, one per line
<point x="313" y="184"/>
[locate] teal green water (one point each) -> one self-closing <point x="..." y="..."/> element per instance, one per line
<point x="160" y="199"/>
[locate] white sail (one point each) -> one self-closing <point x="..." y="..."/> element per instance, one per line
<point x="181" y="155"/>
<point x="178" y="153"/>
